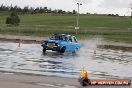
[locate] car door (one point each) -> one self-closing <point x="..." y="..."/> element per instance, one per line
<point x="72" y="44"/>
<point x="75" y="44"/>
<point x="69" y="44"/>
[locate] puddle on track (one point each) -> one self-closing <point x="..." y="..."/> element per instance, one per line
<point x="107" y="63"/>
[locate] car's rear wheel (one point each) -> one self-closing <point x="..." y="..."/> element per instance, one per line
<point x="44" y="50"/>
<point x="63" y="49"/>
<point x="75" y="51"/>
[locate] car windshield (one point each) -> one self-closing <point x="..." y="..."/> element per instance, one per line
<point x="60" y="37"/>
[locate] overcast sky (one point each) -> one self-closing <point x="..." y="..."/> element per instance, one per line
<point x="93" y="6"/>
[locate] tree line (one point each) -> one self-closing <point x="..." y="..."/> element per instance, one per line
<point x="33" y="10"/>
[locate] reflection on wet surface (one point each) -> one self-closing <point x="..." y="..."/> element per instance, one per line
<point x="115" y="47"/>
<point x="107" y="63"/>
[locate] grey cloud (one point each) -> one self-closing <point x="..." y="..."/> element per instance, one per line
<point x="115" y="3"/>
<point x="101" y="6"/>
<point x="83" y="1"/>
<point x="22" y="3"/>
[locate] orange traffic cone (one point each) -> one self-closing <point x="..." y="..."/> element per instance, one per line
<point x="86" y="74"/>
<point x="94" y="51"/>
<point x="19" y="44"/>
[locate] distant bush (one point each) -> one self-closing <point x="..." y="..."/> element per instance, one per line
<point x="114" y="15"/>
<point x="13" y="19"/>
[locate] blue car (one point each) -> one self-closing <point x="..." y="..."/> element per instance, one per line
<point x="61" y="43"/>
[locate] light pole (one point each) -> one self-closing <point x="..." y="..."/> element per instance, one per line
<point x="77" y="26"/>
<point x="131" y="9"/>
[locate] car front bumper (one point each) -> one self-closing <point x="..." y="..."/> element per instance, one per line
<point x="53" y="48"/>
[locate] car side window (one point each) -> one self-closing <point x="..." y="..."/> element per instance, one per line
<point x="74" y="40"/>
<point x="66" y="39"/>
<point x="70" y="40"/>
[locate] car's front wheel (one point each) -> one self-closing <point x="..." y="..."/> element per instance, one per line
<point x="44" y="50"/>
<point x="63" y="49"/>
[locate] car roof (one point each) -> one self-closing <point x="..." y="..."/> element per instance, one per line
<point x="64" y="35"/>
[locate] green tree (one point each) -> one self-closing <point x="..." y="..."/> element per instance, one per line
<point x="74" y="12"/>
<point x="13" y="19"/>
